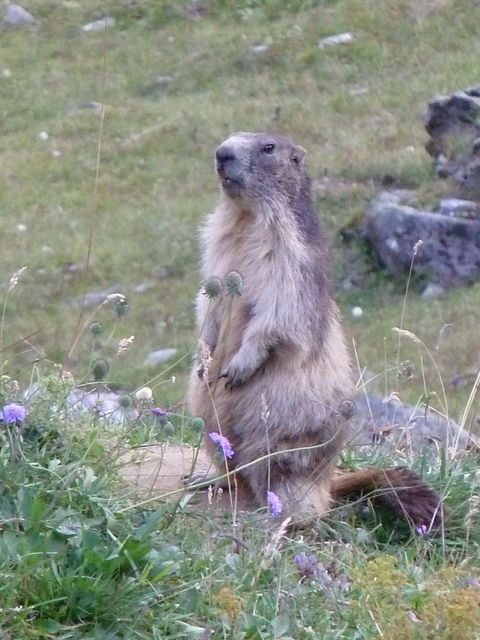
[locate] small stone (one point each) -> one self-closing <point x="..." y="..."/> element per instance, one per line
<point x="90" y="105"/>
<point x="259" y="49"/>
<point x="157" y="357"/>
<point x="432" y="291"/>
<point x="340" y="38"/>
<point x="143" y="287"/>
<point x="162" y="81"/>
<point x="15" y="15"/>
<point x="359" y="91"/>
<point x="99" y="25"/>
<point x="93" y="298"/>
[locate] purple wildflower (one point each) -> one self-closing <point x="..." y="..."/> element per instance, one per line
<point x="307" y="565"/>
<point x="422" y="530"/>
<point x="223" y="443"/>
<point x="158" y="412"/>
<point x="329" y="579"/>
<point x="274" y="503"/>
<point x="13" y="413"/>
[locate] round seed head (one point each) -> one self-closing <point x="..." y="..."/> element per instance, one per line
<point x="233" y="283"/>
<point x="100" y="369"/>
<point x="212" y="288"/>
<point x="168" y="429"/>
<point x="198" y="425"/>
<point x="125" y="401"/>
<point x="96" y="328"/>
<point x="121" y="308"/>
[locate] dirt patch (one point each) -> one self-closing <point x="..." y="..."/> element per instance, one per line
<point x="158" y="471"/>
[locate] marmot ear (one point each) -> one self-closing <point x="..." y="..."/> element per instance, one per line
<point x="298" y="154"/>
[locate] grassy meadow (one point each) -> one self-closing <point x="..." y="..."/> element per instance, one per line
<point x="106" y="168"/>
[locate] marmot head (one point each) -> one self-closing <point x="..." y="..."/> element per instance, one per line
<point x="260" y="166"/>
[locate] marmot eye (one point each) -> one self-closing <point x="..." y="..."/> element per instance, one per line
<point x="268" y="148"/>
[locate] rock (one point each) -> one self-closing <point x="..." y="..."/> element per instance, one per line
<point x="358" y="91"/>
<point x="143" y="287"/>
<point x="157" y="357"/>
<point x="160" y="82"/>
<point x="259" y="49"/>
<point x="432" y="291"/>
<point x="89" y="403"/>
<point x="100" y="24"/>
<point x="457" y="208"/>
<point x="93" y="298"/>
<point x="380" y="420"/>
<point x="448" y="253"/>
<point x="95" y="106"/>
<point x="98" y="403"/>
<point x="340" y="38"/>
<point x="15" y="15"/>
<point x="453" y="124"/>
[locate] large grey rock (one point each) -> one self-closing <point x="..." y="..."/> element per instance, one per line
<point x="415" y="428"/>
<point x="448" y="253"/>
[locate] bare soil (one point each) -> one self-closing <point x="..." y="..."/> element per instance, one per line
<point x="158" y="470"/>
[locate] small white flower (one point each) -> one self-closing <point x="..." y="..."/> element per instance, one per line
<point x="43" y="135"/>
<point x="144" y="394"/>
<point x="357" y="312"/>
<point x="21" y="227"/>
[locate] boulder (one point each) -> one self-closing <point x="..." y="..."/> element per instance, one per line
<point x="378" y="420"/>
<point x="442" y="246"/>
<point x="453" y="124"/>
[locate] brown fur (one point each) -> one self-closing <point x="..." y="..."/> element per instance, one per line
<point x="279" y="384"/>
<point x="398" y="489"/>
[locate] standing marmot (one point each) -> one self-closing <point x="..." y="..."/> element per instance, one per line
<point x="275" y="375"/>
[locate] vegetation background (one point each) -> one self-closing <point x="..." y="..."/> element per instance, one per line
<point x="106" y="162"/>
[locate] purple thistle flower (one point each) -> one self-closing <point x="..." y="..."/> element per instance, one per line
<point x="274" y="503"/>
<point x="13" y="413"/>
<point x="158" y="412"/>
<point x="223" y="443"/>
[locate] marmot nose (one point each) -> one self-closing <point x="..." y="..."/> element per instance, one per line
<point x="224" y="154"/>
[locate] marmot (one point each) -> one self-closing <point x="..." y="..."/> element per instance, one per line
<point x="275" y="376"/>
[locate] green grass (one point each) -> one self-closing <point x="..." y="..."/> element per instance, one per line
<point x="80" y="558"/>
<point x="112" y="199"/>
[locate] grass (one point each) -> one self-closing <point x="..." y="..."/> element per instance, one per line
<point x="110" y="201"/>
